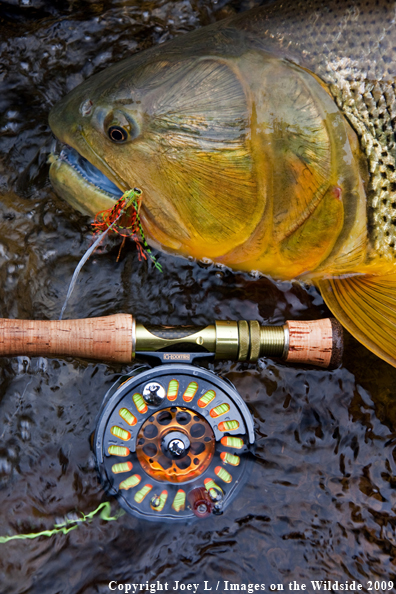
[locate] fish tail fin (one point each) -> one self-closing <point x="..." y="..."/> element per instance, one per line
<point x="366" y="306"/>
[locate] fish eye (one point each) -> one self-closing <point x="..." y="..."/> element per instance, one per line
<point x="117" y="134"/>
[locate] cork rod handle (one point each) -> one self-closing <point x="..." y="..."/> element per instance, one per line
<point x="107" y="338"/>
<point x="317" y="342"/>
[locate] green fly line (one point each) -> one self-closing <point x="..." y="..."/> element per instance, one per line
<point x="69" y="524"/>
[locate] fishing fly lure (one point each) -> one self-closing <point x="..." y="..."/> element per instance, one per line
<point x="123" y="218"/>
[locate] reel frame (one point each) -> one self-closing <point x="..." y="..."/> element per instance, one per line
<point x="204" y="486"/>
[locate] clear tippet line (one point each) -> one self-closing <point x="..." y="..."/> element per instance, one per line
<point x="81" y="264"/>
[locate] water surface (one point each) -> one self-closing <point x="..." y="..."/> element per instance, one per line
<point x="320" y="503"/>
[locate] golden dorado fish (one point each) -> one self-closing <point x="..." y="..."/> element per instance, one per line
<point x="264" y="142"/>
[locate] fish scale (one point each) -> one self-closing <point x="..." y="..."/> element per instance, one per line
<point x="322" y="34"/>
<point x="371" y="110"/>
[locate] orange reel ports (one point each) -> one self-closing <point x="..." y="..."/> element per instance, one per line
<point x="175" y="445"/>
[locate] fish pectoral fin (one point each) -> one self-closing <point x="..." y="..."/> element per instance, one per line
<point x="366" y="306"/>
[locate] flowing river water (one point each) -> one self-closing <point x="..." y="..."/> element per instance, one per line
<point x="320" y="500"/>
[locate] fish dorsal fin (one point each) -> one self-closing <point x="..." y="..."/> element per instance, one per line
<point x="366" y="306"/>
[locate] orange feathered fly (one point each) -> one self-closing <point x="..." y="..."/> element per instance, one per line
<point x="123" y="218"/>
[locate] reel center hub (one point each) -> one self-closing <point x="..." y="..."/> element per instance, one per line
<point x="175" y="445"/>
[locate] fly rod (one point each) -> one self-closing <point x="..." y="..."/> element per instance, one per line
<point x="119" y="338"/>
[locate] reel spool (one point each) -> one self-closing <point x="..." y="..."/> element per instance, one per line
<point x="173" y="442"/>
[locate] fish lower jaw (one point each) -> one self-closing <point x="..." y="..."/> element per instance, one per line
<point x="80" y="183"/>
<point x="77" y="189"/>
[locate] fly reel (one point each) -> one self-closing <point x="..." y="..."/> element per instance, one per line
<point x="172" y="442"/>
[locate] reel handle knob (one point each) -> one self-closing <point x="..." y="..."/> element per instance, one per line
<point x="107" y="338"/>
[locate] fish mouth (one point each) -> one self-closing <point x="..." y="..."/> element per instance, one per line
<point x="89" y="172"/>
<point x="80" y="183"/>
<point x="88" y="190"/>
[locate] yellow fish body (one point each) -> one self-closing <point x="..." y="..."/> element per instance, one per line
<point x="265" y="142"/>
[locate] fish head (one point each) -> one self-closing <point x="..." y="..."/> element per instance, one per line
<point x="242" y="157"/>
<point x="179" y="129"/>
